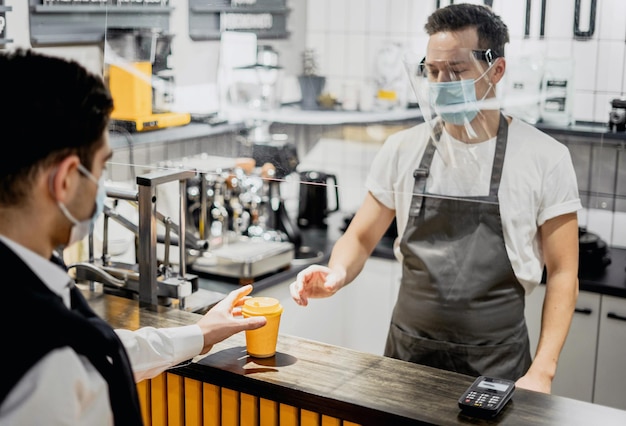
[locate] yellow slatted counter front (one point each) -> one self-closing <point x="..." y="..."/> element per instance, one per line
<point x="171" y="400"/>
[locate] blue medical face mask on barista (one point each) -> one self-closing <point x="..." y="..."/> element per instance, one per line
<point x="455" y="101"/>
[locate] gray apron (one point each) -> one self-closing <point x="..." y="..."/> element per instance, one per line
<point x="460" y="306"/>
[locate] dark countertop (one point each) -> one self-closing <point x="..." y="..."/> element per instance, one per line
<point x="358" y="387"/>
<point x="610" y="281"/>
<point x="591" y="130"/>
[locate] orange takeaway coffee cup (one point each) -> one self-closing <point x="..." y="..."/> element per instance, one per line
<point x="261" y="343"/>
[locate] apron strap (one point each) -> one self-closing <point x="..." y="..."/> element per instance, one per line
<point x="498" y="158"/>
<point x="422" y="172"/>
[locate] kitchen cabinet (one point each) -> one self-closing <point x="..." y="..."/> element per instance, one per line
<point x="591" y="362"/>
<point x="371" y="297"/>
<point x="610" y="381"/>
<point x="357" y="317"/>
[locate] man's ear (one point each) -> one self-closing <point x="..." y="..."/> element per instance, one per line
<point x="499" y="67"/>
<point x="63" y="178"/>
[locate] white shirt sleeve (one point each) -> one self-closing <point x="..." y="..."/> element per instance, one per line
<point x="559" y="199"/>
<point x="152" y="351"/>
<point x="381" y="176"/>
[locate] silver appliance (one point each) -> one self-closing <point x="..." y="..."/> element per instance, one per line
<point x="617" y="115"/>
<point x="154" y="282"/>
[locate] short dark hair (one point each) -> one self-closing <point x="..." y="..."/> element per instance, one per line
<point x="50" y="108"/>
<point x="492" y="31"/>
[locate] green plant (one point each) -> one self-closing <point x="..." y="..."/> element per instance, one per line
<point x="310" y="65"/>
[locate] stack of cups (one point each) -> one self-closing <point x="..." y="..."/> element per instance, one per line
<point x="261" y="343"/>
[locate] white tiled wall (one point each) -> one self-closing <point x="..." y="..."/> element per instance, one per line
<point x="348" y="33"/>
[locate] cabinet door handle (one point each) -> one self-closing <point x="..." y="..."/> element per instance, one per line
<point x="585" y="311"/>
<point x="615" y="316"/>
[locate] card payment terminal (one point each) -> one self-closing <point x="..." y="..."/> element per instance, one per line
<point x="486" y="397"/>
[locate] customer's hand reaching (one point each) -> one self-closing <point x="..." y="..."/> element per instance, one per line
<point x="224" y="319"/>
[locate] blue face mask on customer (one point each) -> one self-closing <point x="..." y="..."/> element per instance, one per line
<point x="455" y="101"/>
<point x="81" y="228"/>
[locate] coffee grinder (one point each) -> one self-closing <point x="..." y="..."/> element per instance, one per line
<point x="135" y="59"/>
<point x="269" y="148"/>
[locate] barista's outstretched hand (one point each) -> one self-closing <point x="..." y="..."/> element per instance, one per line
<point x="224" y="319"/>
<point x="316" y="282"/>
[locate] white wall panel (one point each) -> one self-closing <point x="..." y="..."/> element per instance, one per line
<point x="317" y="15"/>
<point x="336" y="59"/>
<point x="398" y="21"/>
<point x="378" y="15"/>
<point x="357" y="66"/>
<point x="559" y="19"/>
<point x="583" y="106"/>
<point x="585" y="54"/>
<point x="357" y="16"/>
<point x="512" y="13"/>
<point x="611" y="20"/>
<point x="609" y="66"/>
<point x="338" y="16"/>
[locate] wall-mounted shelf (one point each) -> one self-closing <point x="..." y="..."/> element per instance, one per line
<point x="266" y="18"/>
<point x="53" y="24"/>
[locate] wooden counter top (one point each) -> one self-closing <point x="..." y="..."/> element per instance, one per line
<point x="358" y="387"/>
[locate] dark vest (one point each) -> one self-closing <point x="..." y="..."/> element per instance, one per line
<point x="79" y="328"/>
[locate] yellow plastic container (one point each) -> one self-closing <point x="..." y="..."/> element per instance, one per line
<point x="261" y="343"/>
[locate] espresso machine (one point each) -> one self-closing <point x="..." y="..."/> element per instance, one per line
<point x="237" y="210"/>
<point x="140" y="80"/>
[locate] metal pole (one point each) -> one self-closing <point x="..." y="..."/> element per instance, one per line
<point x="147" y="258"/>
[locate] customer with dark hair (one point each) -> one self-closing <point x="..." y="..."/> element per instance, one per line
<point x="63" y="364"/>
<point x="483" y="202"/>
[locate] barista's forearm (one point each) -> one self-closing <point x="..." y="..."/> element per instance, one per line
<point x="558" y="310"/>
<point x="352" y="250"/>
<point x="349" y="255"/>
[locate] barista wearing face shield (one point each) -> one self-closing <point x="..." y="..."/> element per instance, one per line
<point x="453" y="86"/>
<point x="482" y="202"/>
<point x="71" y="367"/>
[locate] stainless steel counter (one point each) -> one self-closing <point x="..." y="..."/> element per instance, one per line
<point x="317" y="240"/>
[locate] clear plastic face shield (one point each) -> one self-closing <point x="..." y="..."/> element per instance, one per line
<point x="454" y="87"/>
<point x="456" y="93"/>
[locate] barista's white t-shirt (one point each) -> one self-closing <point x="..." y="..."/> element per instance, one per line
<point x="538" y="183"/>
